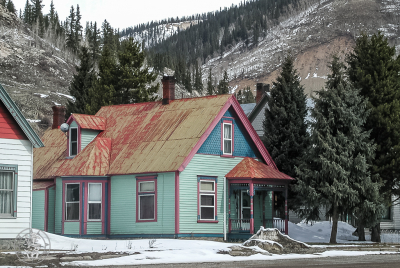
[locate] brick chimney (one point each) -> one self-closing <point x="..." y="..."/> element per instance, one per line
<point x="168" y="89"/>
<point x="58" y="116"/>
<point x="260" y="92"/>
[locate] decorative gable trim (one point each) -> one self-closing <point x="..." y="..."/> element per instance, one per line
<point x="20" y="119"/>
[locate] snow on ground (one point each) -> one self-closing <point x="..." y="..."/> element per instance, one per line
<point x="41" y="95"/>
<point x="192" y="251"/>
<point x="65" y="95"/>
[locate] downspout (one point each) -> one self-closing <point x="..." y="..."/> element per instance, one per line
<point x="224" y="209"/>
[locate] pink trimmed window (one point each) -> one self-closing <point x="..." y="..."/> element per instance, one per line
<point x="73" y="141"/>
<point x="94" y="201"/>
<point x="207" y="199"/>
<point x="227" y="137"/>
<point x="146" y="201"/>
<point x="72" y="201"/>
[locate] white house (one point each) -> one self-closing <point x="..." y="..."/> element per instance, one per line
<point x="17" y="140"/>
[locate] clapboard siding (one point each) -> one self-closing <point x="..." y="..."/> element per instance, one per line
<point x="87" y="135"/>
<point x="38" y="209"/>
<point x="51" y="210"/>
<point x="207" y="165"/>
<point x="123" y="206"/>
<point x="58" y="206"/>
<point x="94" y="228"/>
<point x="394" y="223"/>
<point x="71" y="228"/>
<point x="18" y="152"/>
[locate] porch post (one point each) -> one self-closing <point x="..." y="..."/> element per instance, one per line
<point x="286" y="210"/>
<point x="251" y="208"/>
<point x="229" y="207"/>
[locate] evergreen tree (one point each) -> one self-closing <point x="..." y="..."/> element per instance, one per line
<point x="198" y="83"/>
<point x="133" y="77"/>
<point x="27" y="13"/>
<point x="3" y="3"/>
<point x="71" y="41"/>
<point x="11" y="7"/>
<point x="374" y="69"/>
<point x="81" y="82"/>
<point x="248" y="96"/>
<point x="78" y="28"/>
<point x="285" y="129"/>
<point x="36" y="11"/>
<point x="210" y="86"/>
<point x="335" y="173"/>
<point x="223" y="86"/>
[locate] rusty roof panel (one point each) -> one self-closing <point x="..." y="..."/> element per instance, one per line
<point x="90" y="121"/>
<point x="253" y="169"/>
<point x="41" y="185"/>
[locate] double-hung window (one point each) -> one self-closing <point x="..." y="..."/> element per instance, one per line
<point x="73" y="141"/>
<point x="7" y="193"/>
<point x="227" y="143"/>
<point x="94" y="201"/>
<point x="72" y="201"/>
<point x="207" y="199"/>
<point x="146" y="200"/>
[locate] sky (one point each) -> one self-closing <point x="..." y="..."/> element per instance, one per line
<point x="125" y="13"/>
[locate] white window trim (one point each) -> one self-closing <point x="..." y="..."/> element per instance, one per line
<point x="223" y="139"/>
<point x="154" y="184"/>
<point x="209" y="193"/>
<point x="13" y="196"/>
<point x="72" y="202"/>
<point x="95" y="202"/>
<point x="154" y="214"/>
<point x="77" y="141"/>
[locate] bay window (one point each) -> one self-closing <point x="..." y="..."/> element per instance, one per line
<point x="94" y="201"/>
<point x="72" y="202"/>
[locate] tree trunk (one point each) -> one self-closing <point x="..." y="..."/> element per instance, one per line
<point x="376" y="233"/>
<point x="335" y="218"/>
<point x="360" y="231"/>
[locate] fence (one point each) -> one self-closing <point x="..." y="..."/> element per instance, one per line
<point x="390" y="236"/>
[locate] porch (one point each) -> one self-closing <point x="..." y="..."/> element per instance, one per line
<point x="257" y="197"/>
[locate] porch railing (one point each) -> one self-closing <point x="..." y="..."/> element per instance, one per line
<point x="239" y="224"/>
<point x="275" y="223"/>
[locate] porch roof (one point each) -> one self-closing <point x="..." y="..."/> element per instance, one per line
<point x="250" y="168"/>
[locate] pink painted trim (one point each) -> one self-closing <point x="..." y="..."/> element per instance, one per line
<point x="212" y="178"/>
<point x="46" y="208"/>
<point x="227" y="156"/>
<point x="103" y="207"/>
<point x="109" y="207"/>
<point x="63" y="208"/>
<point x="205" y="135"/>
<point x="176" y="202"/>
<point x="70" y="119"/>
<point x="85" y="208"/>
<point x="79" y="140"/>
<point x="228" y="117"/>
<point x="251" y="208"/>
<point x="141" y="179"/>
<point x="63" y="203"/>
<point x="222" y="138"/>
<point x="253" y="134"/>
<point x="205" y="221"/>
<point x="230" y="122"/>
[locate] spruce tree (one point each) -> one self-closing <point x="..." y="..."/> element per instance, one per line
<point x="248" y="96"/>
<point x="210" y="86"/>
<point x="223" y="86"/>
<point x="335" y="173"/>
<point x="375" y="70"/>
<point x="70" y="40"/>
<point x="11" y="7"/>
<point x="81" y="82"/>
<point x="285" y="129"/>
<point x="27" y="13"/>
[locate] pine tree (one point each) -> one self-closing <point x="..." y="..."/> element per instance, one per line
<point x="27" y="13"/>
<point x="223" y="86"/>
<point x="198" y="83"/>
<point x="71" y="41"/>
<point x="81" y="82"/>
<point x="375" y="70"/>
<point x="210" y="86"/>
<point x="133" y="77"/>
<point x="78" y="28"/>
<point x="335" y="173"/>
<point x="248" y="96"/>
<point x="11" y="7"/>
<point x="285" y="129"/>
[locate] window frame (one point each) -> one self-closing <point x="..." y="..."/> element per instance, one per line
<point x="200" y="193"/>
<point x="139" y="193"/>
<point x="230" y="123"/>
<point x="390" y="218"/>
<point x="95" y="202"/>
<point x="14" y="170"/>
<point x="70" y="141"/>
<point x="65" y="202"/>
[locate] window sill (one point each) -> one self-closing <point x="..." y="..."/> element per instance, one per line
<point x="227" y="155"/>
<point x="72" y="221"/>
<point x="8" y="217"/>
<point x="146" y="221"/>
<point x="205" y="221"/>
<point x="386" y="220"/>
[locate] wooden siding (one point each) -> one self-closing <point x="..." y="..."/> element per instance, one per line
<point x="73" y="124"/>
<point x="51" y="210"/>
<point x="9" y="128"/>
<point x="207" y="165"/>
<point x="71" y="228"/>
<point x="394" y="223"/>
<point x="123" y="206"/>
<point x="18" y="152"/>
<point x="94" y="228"/>
<point x="58" y="207"/>
<point x="87" y="135"/>
<point x="38" y="209"/>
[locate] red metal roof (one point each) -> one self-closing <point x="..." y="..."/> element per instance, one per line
<point x="90" y="121"/>
<point x="41" y="185"/>
<point x="253" y="169"/>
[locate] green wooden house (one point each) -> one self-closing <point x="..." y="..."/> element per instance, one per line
<point x="172" y="168"/>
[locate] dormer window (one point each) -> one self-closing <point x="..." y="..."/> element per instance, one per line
<point x="227" y="135"/>
<point x="73" y="141"/>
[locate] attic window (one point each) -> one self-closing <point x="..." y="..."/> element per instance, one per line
<point x="73" y="141"/>
<point x="227" y="138"/>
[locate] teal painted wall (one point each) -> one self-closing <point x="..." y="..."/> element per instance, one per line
<point x="87" y="135"/>
<point x="71" y="228"/>
<point x="207" y="165"/>
<point x="51" y="210"/>
<point x="258" y="212"/>
<point x="73" y="124"/>
<point x="123" y="206"/>
<point x="58" y="206"/>
<point x="94" y="228"/>
<point x="38" y="206"/>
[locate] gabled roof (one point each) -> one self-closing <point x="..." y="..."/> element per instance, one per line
<point x="143" y="138"/>
<point x="258" y="108"/>
<point x="89" y="121"/>
<point x="20" y="119"/>
<point x="250" y="168"/>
